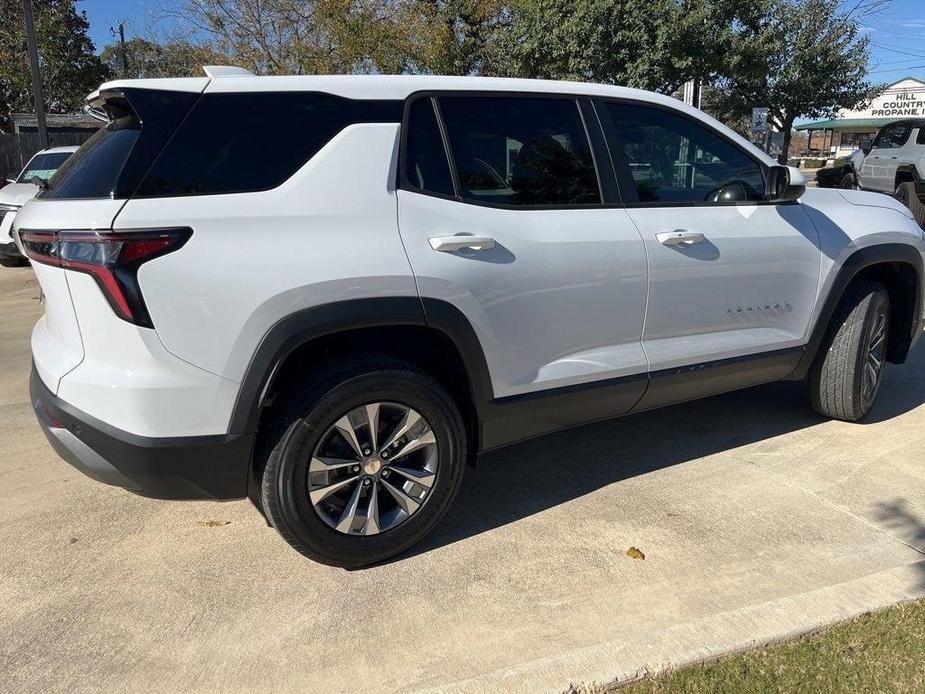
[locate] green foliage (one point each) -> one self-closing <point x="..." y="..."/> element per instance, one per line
<point x="145" y="58"/>
<point x="70" y="67"/>
<point x="800" y="58"/>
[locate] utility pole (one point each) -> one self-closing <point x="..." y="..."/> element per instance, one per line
<point x="124" y="52"/>
<point x="36" y="73"/>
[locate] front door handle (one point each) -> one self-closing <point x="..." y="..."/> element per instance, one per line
<point x="679" y="237"/>
<point x="451" y="244"/>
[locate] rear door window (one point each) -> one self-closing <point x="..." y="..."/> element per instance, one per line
<point x="520" y="151"/>
<point x="253" y="141"/>
<point x="426" y="165"/>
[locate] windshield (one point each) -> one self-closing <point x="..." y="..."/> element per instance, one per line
<point x="43" y="166"/>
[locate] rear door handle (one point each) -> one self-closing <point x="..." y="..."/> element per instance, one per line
<point x="679" y="237"/>
<point x="451" y="244"/>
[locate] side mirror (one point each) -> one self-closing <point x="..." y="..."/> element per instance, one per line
<point x="785" y="183"/>
<point x="11" y="180"/>
<point x="865" y="145"/>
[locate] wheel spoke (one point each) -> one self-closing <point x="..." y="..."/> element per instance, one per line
<point x="425" y="439"/>
<point x="322" y="493"/>
<point x="345" y="427"/>
<point x="423" y="477"/>
<point x="349" y="514"/>
<point x="372" y="421"/>
<point x="871" y="376"/>
<point x="320" y="464"/>
<point x="404" y="426"/>
<point x="408" y="505"/>
<point x="372" y="511"/>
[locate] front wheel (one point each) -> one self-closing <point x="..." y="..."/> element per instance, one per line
<point x="848" y="182"/>
<point x="848" y="370"/>
<point x="370" y="462"/>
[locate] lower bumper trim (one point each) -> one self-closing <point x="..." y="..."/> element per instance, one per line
<point x="188" y="467"/>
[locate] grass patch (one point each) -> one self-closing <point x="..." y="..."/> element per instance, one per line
<point x="882" y="652"/>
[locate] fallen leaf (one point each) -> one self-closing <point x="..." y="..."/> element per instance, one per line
<point x="74" y="539"/>
<point x="213" y="523"/>
<point x="634" y="553"/>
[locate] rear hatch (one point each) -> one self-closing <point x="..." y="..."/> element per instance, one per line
<point x="87" y="193"/>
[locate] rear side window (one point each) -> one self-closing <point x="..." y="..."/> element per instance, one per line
<point x="920" y="140"/>
<point x="426" y="166"/>
<point x="246" y="142"/>
<point x="111" y="163"/>
<point x="520" y="150"/>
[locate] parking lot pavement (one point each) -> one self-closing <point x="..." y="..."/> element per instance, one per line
<point x="757" y="520"/>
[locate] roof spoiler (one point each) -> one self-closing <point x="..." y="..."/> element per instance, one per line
<point x="217" y="71"/>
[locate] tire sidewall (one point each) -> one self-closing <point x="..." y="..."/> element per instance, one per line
<point x="295" y="516"/>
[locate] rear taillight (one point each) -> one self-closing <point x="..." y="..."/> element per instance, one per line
<point x="112" y="259"/>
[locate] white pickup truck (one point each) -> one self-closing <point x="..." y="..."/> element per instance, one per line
<point x="894" y="163"/>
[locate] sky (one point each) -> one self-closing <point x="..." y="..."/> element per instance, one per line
<point x="897" y="34"/>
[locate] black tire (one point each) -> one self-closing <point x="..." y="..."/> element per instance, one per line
<point x="308" y="415"/>
<point x="847" y="182"/>
<point x="838" y="382"/>
<point x="11" y="261"/>
<point x="905" y="193"/>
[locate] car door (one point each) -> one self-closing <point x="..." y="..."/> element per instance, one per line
<point x="503" y="216"/>
<point x="731" y="276"/>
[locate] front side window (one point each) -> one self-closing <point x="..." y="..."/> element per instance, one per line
<point x="920" y="139"/>
<point x="43" y="166"/>
<point x="520" y="150"/>
<point x="673" y="159"/>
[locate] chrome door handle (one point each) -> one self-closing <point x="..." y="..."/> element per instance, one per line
<point x="679" y="237"/>
<point x="451" y="244"/>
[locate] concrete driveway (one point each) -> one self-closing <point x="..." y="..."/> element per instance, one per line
<point x="757" y="519"/>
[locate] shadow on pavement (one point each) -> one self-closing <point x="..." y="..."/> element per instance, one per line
<point x="527" y="478"/>
<point x="905" y="524"/>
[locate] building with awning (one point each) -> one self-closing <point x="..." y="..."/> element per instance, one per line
<point x="839" y="136"/>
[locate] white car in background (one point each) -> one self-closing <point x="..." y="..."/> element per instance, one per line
<point x="21" y="190"/>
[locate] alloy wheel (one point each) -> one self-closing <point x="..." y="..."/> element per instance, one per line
<point x="873" y="357"/>
<point x="373" y="468"/>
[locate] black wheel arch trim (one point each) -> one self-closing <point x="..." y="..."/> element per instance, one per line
<point x="301" y="327"/>
<point x="858" y="261"/>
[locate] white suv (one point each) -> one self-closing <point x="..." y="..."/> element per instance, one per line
<point x="330" y="294"/>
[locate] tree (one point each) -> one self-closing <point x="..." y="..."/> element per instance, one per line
<point x="804" y="58"/>
<point x="151" y="58"/>
<point x="70" y="67"/>
<point x="651" y="44"/>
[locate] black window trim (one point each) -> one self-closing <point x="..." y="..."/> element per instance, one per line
<point x="624" y="175"/>
<point x="597" y="155"/>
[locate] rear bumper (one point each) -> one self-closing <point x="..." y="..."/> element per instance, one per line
<point x="187" y="467"/>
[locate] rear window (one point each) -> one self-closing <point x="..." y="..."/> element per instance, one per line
<point x="110" y="164"/>
<point x="247" y="142"/>
<point x="43" y="166"/>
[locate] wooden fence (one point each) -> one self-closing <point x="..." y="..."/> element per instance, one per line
<point x="17" y="148"/>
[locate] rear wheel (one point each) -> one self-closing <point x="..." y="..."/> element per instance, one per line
<point x="369" y="463"/>
<point x="846" y="376"/>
